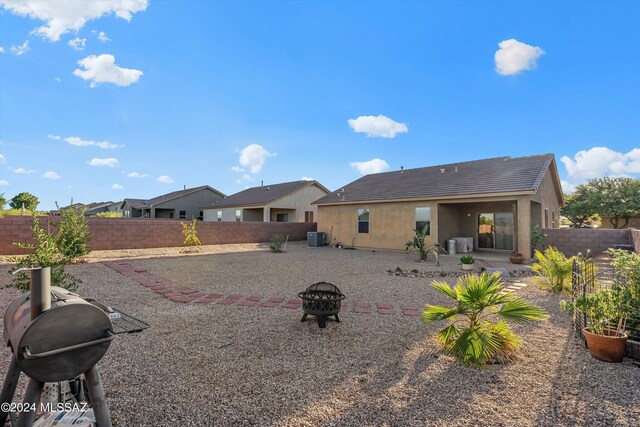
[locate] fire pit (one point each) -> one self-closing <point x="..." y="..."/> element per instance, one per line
<point x="321" y="300"/>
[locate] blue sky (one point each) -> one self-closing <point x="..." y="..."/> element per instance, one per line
<point x="228" y="94"/>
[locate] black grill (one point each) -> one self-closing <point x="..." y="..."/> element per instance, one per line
<point x="321" y="300"/>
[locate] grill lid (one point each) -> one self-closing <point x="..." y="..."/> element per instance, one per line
<point x="323" y="287"/>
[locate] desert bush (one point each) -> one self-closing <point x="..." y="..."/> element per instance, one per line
<point x="554" y="270"/>
<point x="73" y="233"/>
<point x="109" y="215"/>
<point x="478" y="332"/>
<point x="45" y="254"/>
<point x="190" y="234"/>
<point x="275" y="244"/>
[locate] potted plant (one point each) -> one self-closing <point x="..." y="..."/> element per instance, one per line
<point x="516" y="257"/>
<point x="467" y="262"/>
<point x="606" y="310"/>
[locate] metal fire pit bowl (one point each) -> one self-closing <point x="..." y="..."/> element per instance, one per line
<point x="321" y="300"/>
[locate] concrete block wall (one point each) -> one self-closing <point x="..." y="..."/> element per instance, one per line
<point x="571" y="241"/>
<point x="116" y="233"/>
<point x="635" y="238"/>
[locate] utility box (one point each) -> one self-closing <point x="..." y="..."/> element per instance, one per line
<point x="464" y="245"/>
<point x="315" y="239"/>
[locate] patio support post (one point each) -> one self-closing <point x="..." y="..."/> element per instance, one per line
<point x="266" y="214"/>
<point x="524" y="226"/>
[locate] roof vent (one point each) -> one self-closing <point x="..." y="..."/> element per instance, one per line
<point x="268" y="188"/>
<point x="442" y="170"/>
<point x="261" y="183"/>
<point x="401" y="169"/>
<point x="456" y="169"/>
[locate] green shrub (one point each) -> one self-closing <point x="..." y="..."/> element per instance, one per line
<point x="554" y="270"/>
<point x="45" y="254"/>
<point x="472" y="335"/>
<point x="73" y="233"/>
<point x="275" y="244"/>
<point x="109" y="215"/>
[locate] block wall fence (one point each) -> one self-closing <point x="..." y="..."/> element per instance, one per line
<point x="117" y="233"/>
<point x="572" y="241"/>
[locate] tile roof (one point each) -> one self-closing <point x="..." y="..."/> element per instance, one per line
<point x="262" y="195"/>
<point x="141" y="203"/>
<point x="495" y="175"/>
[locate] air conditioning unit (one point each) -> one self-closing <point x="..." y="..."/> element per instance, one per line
<point x="464" y="245"/>
<point x="315" y="239"/>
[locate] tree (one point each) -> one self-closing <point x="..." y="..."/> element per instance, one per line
<point x="3" y="201"/>
<point x="618" y="198"/>
<point x="580" y="206"/>
<point x="29" y="201"/>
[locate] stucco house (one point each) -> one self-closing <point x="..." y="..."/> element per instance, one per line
<point x="182" y="204"/>
<point x="496" y="202"/>
<point x="285" y="202"/>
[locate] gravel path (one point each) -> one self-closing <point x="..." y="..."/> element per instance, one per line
<point x="205" y="365"/>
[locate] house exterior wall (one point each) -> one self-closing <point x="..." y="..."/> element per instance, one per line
<point x="192" y="203"/>
<point x="548" y="197"/>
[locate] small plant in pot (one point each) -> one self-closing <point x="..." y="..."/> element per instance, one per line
<point x="516" y="257"/>
<point x="467" y="262"/>
<point x="607" y="310"/>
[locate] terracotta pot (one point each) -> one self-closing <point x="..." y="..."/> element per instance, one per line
<point x="467" y="266"/>
<point x="608" y="347"/>
<point x="516" y="258"/>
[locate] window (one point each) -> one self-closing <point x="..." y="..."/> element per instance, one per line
<point x="238" y="215"/>
<point x="171" y="215"/>
<point x="363" y="221"/>
<point x="282" y="217"/>
<point x="546" y="218"/>
<point x="553" y="219"/>
<point x="219" y="215"/>
<point x="308" y="216"/>
<point x="183" y="214"/>
<point x="201" y="216"/>
<point x="423" y="219"/>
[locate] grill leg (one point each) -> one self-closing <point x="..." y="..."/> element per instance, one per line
<point x="322" y="321"/>
<point x="9" y="387"/>
<point x="304" y="317"/>
<point x="98" y="399"/>
<point x="31" y="398"/>
<point x="337" y="318"/>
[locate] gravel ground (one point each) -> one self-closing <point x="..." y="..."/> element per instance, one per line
<point x="205" y="365"/>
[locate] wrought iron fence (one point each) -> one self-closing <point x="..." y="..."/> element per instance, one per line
<point x="587" y="278"/>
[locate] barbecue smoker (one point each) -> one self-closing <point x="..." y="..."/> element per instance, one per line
<point x="321" y="300"/>
<point x="56" y="336"/>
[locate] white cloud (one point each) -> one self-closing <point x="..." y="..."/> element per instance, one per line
<point x="58" y="79"/>
<point x="53" y="137"/>
<point x="244" y="178"/>
<point x="78" y="142"/>
<point x="103" y="37"/>
<point x="602" y="161"/>
<point x="77" y="43"/>
<point x="103" y="69"/>
<point x="567" y="187"/>
<point x="62" y="16"/>
<point x="514" y="57"/>
<point x="4" y="182"/>
<point x="253" y="157"/>
<point x="237" y="169"/>
<point x="1" y="49"/>
<point x="110" y="162"/>
<point x="307" y="178"/>
<point x="23" y="171"/>
<point x="51" y="175"/>
<point x="137" y="175"/>
<point x="165" y="179"/>
<point x="377" y="126"/>
<point x="116" y="187"/>
<point x="20" y="49"/>
<point x="3" y="159"/>
<point x="371" y="166"/>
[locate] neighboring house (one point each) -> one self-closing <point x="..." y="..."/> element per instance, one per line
<point x="286" y="202"/>
<point x="89" y="209"/>
<point x="183" y="204"/>
<point x="494" y="201"/>
<point x="633" y="222"/>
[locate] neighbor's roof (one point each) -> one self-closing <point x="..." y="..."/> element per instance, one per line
<point x="137" y="203"/>
<point x="496" y="175"/>
<point x="263" y="194"/>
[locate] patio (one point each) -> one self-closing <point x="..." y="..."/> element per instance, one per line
<point x="242" y="364"/>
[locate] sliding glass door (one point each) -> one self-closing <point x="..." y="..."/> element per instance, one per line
<point x="495" y="231"/>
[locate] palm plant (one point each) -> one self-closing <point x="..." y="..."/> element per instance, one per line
<point x="554" y="270"/>
<point x="478" y="331"/>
